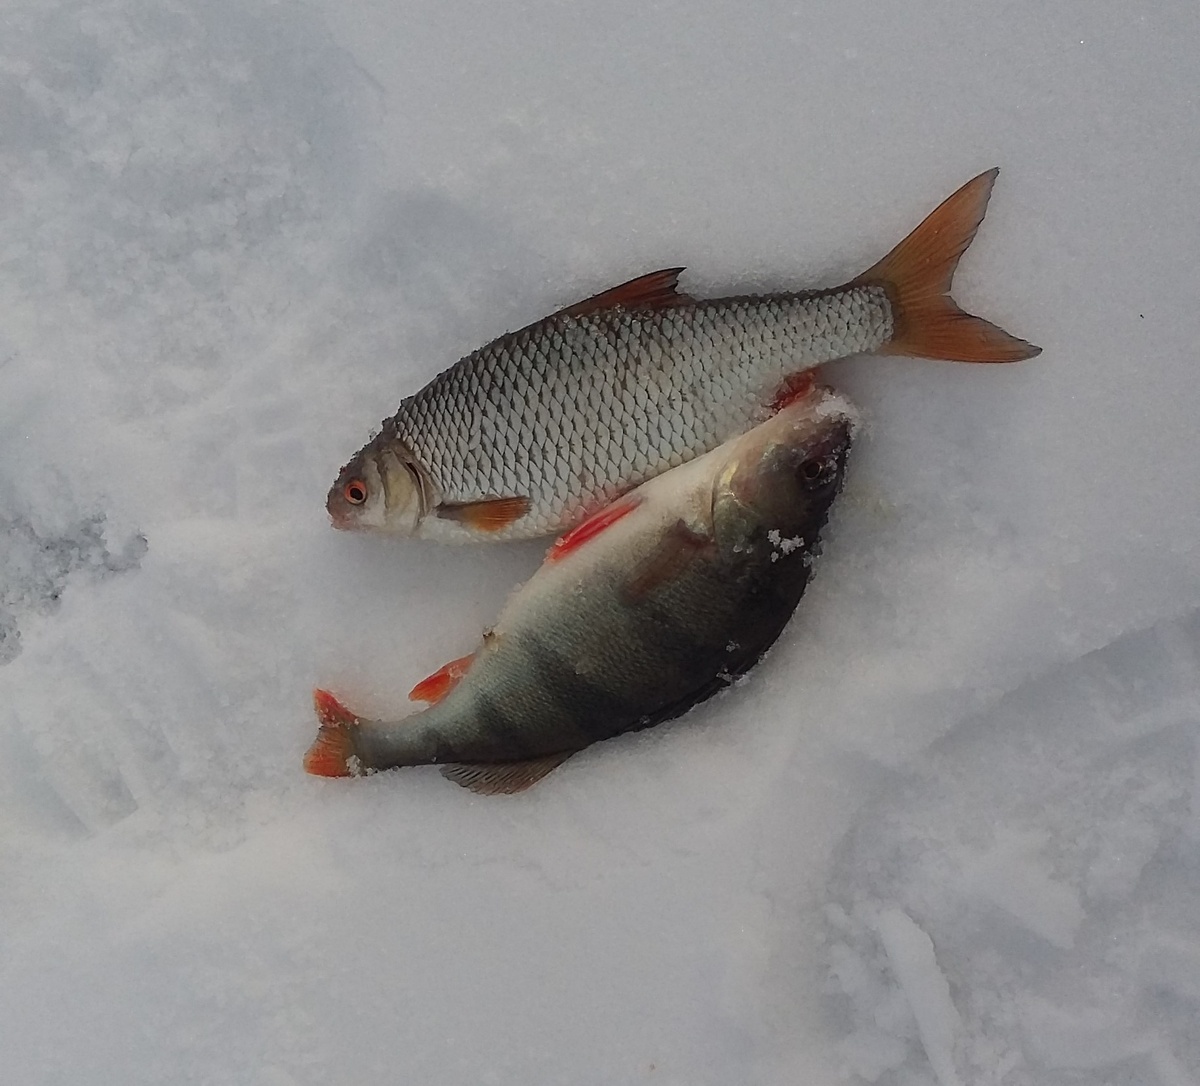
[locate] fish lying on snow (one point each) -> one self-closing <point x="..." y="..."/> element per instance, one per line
<point x="644" y="610"/>
<point x="543" y="426"/>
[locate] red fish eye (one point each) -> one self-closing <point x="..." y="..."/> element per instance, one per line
<point x="355" y="492"/>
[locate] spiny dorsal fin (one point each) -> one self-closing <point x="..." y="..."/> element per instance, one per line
<point x="503" y="778"/>
<point x="658" y="290"/>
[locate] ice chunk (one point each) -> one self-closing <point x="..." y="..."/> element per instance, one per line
<point x="910" y="952"/>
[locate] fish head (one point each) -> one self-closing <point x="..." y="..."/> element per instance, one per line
<point x="785" y="475"/>
<point x="382" y="489"/>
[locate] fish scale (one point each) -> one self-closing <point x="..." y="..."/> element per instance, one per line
<point x="673" y="384"/>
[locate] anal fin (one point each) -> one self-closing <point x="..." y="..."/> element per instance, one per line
<point x="442" y="681"/>
<point x="503" y="778"/>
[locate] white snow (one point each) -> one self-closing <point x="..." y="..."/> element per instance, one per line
<point x="912" y="959"/>
<point x="234" y="234"/>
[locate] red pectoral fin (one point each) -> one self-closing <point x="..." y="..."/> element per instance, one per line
<point x="442" y="681"/>
<point x="592" y="527"/>
<point x="488" y="515"/>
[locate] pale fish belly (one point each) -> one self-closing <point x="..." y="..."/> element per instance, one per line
<point x="573" y="411"/>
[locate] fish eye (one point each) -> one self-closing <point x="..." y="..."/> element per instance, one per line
<point x="355" y="492"/>
<point x="812" y="470"/>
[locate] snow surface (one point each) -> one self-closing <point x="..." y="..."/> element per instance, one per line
<point x="950" y="831"/>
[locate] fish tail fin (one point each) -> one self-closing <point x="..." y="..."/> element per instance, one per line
<point x="917" y="275"/>
<point x="332" y="753"/>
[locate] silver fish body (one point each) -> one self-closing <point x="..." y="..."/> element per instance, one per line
<point x="615" y="398"/>
<point x="695" y="577"/>
<point x="530" y="433"/>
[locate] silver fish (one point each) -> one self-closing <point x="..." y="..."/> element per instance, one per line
<point x="653" y="605"/>
<point x="531" y="433"/>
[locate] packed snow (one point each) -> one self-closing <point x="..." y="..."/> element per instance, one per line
<point x="948" y="832"/>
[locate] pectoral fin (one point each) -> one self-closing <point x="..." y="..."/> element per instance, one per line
<point x="678" y="548"/>
<point x="592" y="527"/>
<point x="488" y="514"/>
<point x="503" y="778"/>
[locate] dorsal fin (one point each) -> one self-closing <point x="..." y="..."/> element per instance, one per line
<point x="658" y="290"/>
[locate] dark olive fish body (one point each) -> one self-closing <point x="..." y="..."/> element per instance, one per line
<point x="657" y="613"/>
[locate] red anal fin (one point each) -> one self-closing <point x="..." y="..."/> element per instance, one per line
<point x="503" y="778"/>
<point x="487" y="515"/>
<point x="675" y="552"/>
<point x="591" y="527"/>
<point x="442" y="681"/>
<point x="658" y="290"/>
<point x="916" y="275"/>
<point x="332" y="752"/>
<point x="795" y="387"/>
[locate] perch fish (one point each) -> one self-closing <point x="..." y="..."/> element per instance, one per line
<point x="637" y="614"/>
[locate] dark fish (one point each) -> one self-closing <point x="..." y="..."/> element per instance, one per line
<point x="651" y="606"/>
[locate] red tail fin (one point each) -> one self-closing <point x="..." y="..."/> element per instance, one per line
<point x="917" y="275"/>
<point x="332" y="753"/>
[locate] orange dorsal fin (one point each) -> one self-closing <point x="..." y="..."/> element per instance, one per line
<point x="917" y="275"/>
<point x="488" y="514"/>
<point x="442" y="681"/>
<point x="332" y="752"/>
<point x="591" y="527"/>
<point x="658" y="290"/>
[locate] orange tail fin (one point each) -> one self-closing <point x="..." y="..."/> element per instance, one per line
<point x="332" y="753"/>
<point x="917" y="275"/>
